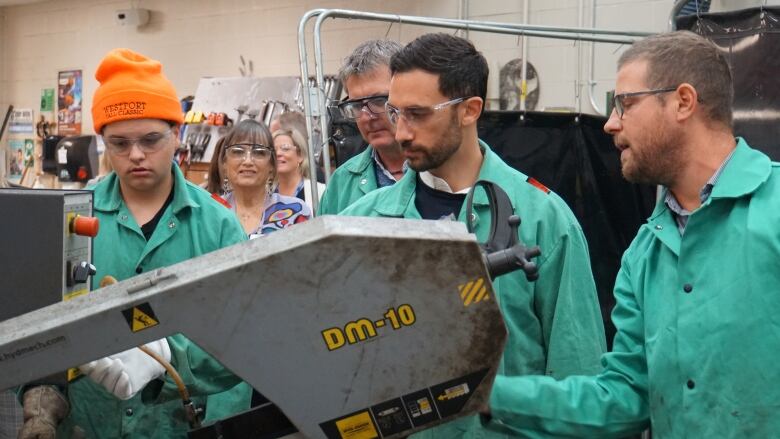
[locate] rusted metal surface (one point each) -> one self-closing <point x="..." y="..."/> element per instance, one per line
<point x="288" y="334"/>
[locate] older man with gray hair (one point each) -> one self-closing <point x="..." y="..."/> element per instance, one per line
<point x="366" y="77"/>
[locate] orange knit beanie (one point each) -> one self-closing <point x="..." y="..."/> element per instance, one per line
<point x="133" y="86"/>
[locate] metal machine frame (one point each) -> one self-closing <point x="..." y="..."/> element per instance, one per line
<point x="397" y="328"/>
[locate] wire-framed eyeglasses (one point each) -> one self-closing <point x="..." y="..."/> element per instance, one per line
<point x="619" y="100"/>
<point x="285" y="147"/>
<point x="255" y="151"/>
<point x="416" y="115"/>
<point x="148" y="143"/>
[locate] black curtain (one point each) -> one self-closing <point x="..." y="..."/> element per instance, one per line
<point x="574" y="157"/>
<point x="751" y="40"/>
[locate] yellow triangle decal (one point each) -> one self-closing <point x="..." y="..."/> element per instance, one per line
<point x="141" y="320"/>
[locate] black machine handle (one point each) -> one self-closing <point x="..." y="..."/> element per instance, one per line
<point x="503" y="252"/>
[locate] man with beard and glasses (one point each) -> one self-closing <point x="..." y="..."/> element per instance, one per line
<point x="698" y="292"/>
<point x="436" y="96"/>
<point x="366" y="78"/>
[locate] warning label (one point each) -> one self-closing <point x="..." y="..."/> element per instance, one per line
<point x="140" y="317"/>
<point x="354" y="426"/>
<point x="358" y="426"/>
<point x="451" y="396"/>
<point x="73" y="373"/>
<point x="474" y="291"/>
<point x="420" y="407"/>
<point x="454" y="392"/>
<point x="391" y="417"/>
<point x="399" y="415"/>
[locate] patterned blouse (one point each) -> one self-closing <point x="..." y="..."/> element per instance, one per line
<point x="280" y="211"/>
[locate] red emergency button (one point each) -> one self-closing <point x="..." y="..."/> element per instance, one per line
<point x="85" y="226"/>
<point x="81" y="174"/>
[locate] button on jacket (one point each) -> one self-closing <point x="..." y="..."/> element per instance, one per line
<point x="193" y="224"/>
<point x="697" y="350"/>
<point x="554" y="324"/>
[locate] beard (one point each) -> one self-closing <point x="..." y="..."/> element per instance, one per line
<point x="657" y="161"/>
<point x="428" y="158"/>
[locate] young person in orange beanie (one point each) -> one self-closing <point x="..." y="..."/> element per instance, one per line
<point x="146" y="208"/>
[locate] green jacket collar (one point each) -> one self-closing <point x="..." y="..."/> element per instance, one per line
<point x="359" y="166"/>
<point x="744" y="173"/>
<point x="108" y="197"/>
<point x="747" y="170"/>
<point x="400" y="202"/>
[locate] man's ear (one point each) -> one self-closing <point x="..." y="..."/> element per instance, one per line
<point x="473" y="109"/>
<point x="687" y="101"/>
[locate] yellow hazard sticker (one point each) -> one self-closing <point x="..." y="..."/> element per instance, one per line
<point x="73" y="373"/>
<point x="142" y="321"/>
<point x="140" y="317"/>
<point x="454" y="392"/>
<point x="359" y="426"/>
<point x="74" y="294"/>
<point x="473" y="292"/>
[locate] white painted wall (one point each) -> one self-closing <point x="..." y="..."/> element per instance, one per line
<point x="195" y="38"/>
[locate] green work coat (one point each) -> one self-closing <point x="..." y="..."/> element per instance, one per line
<point x="554" y="324"/>
<point x="193" y="224"/>
<point x="698" y="334"/>
<point x="351" y="181"/>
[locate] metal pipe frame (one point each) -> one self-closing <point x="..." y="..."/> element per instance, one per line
<point x="524" y="69"/>
<point x="565" y="33"/>
<point x="678" y="5"/>
<point x="592" y="66"/>
<point x="575" y="30"/>
<point x="307" y="108"/>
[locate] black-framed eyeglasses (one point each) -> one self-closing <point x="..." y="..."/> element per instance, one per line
<point x="255" y="151"/>
<point x="148" y="143"/>
<point x="618" y="101"/>
<point x="372" y="105"/>
<point x="416" y="115"/>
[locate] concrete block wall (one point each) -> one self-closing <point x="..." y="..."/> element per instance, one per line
<point x="196" y="38"/>
<point x="557" y="62"/>
<point x="193" y="38"/>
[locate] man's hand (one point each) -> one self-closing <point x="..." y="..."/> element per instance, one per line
<point x="44" y="408"/>
<point x="126" y="373"/>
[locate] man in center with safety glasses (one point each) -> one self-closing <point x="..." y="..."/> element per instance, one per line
<point x="437" y="93"/>
<point x="366" y="77"/>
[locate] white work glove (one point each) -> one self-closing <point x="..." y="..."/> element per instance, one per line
<point x="126" y="373"/>
<point x="44" y="408"/>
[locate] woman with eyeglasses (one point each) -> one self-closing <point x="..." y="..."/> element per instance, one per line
<point x="292" y="165"/>
<point x="243" y="172"/>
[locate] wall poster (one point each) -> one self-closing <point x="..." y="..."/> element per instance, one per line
<point x="16" y="160"/>
<point x="69" y="103"/>
<point x="47" y="99"/>
<point x="21" y="121"/>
